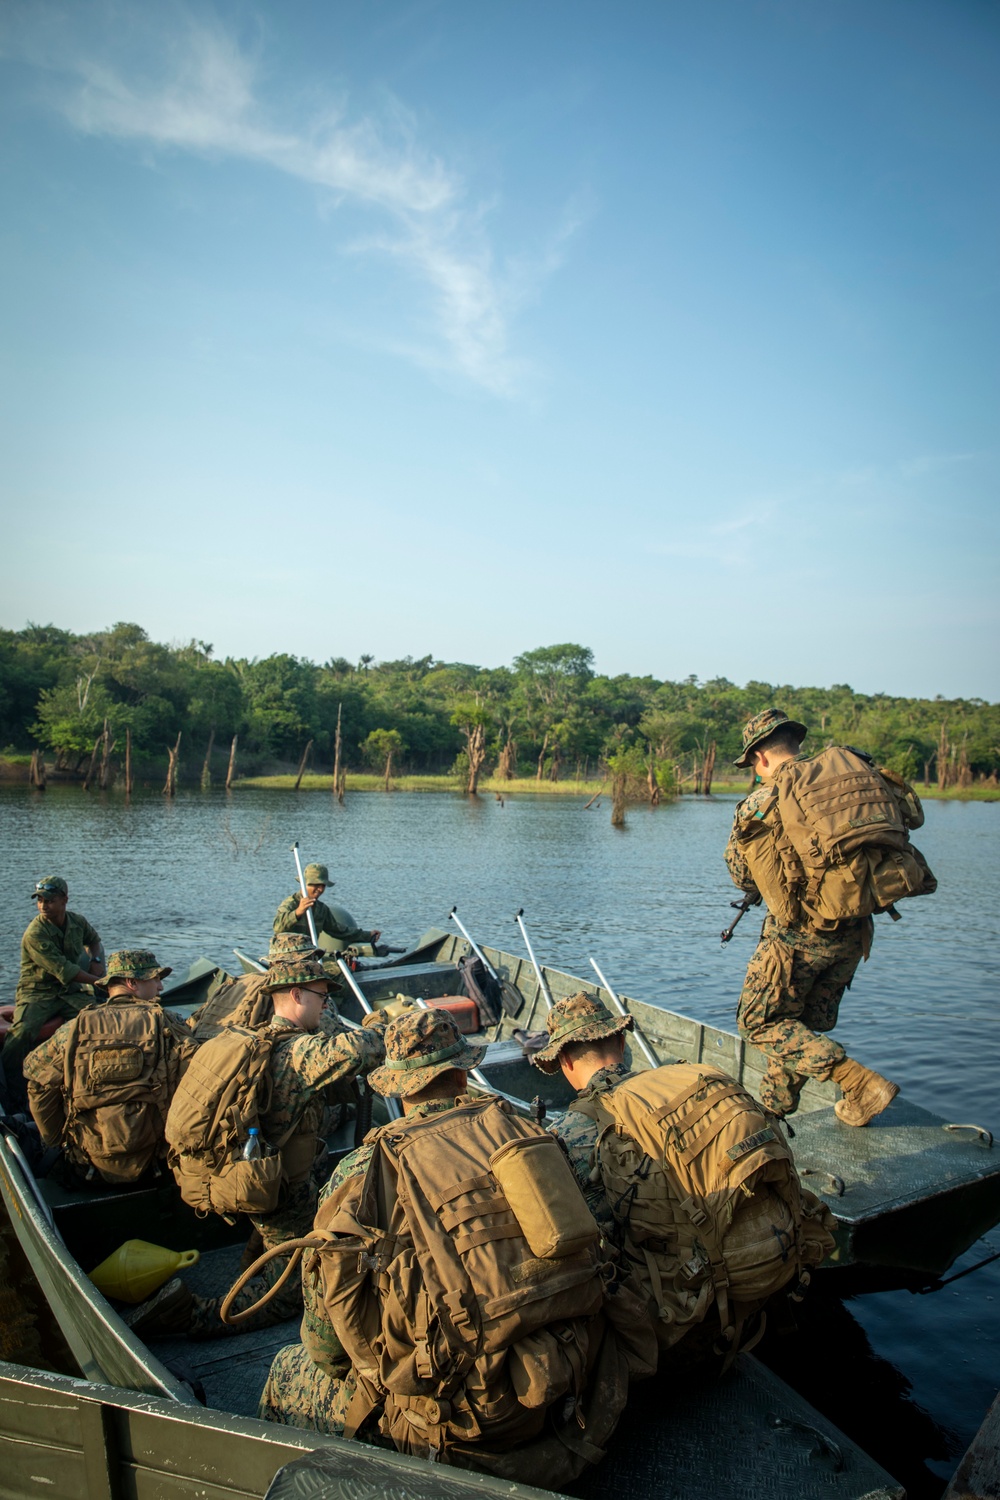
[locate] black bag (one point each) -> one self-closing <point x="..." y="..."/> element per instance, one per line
<point x="489" y="994"/>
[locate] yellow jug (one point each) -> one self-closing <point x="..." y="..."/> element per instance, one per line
<point x="137" y="1269"/>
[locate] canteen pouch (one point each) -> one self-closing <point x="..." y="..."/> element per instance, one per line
<point x="247" y="1187"/>
<point x="544" y="1197"/>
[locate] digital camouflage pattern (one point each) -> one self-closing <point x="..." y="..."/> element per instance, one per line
<point x="296" y="969"/>
<point x="289" y="945"/>
<point x="133" y="963"/>
<point x="578" y="1134"/>
<point x="299" y="1393"/>
<point x="418" y="1047"/>
<point x="285" y="920"/>
<point x="48" y="988"/>
<point x="762" y="726"/>
<point x="579" y="1018"/>
<point x="795" y="981"/>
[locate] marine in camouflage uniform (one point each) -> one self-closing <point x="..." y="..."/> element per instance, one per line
<point x="302" y="1391"/>
<point x="583" y="1018"/>
<point x="133" y="975"/>
<point x="61" y="955"/>
<point x="243" y="1000"/>
<point x="798" y="973"/>
<point x="287" y="918"/>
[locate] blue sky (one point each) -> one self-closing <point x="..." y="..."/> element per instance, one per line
<point x="466" y="328"/>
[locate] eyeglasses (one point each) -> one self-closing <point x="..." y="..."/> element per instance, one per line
<point x="304" y="989"/>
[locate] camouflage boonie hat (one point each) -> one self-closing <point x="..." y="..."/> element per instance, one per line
<point x="581" y="1018"/>
<point x="49" y="885"/>
<point x="764" y="724"/>
<point x="296" y="969"/>
<point x="316" y="875"/>
<point x="419" y="1046"/>
<point x="291" y="945"/>
<point x="132" y="963"/>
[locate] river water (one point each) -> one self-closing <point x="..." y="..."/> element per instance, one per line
<point x="204" y="872"/>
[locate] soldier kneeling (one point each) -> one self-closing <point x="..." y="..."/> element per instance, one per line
<point x="456" y="1291"/>
<point x="688" y="1178"/>
<point x="101" y="1085"/>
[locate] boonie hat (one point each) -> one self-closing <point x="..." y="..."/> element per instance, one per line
<point x="291" y="945"/>
<point x="419" y="1046"/>
<point x="764" y="724"/>
<point x="50" y="885"/>
<point x="581" y="1018"/>
<point x="286" y="972"/>
<point x="316" y="875"/>
<point x="133" y="963"/>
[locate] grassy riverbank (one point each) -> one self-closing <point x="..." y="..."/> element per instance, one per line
<point x="529" y="786"/>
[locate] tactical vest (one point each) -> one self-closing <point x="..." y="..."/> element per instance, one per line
<point x="829" y="840"/>
<point x="240" y="1002"/>
<point x="705" y="1196"/>
<point x="225" y="1091"/>
<point x="462" y="1276"/>
<point x="119" y="1073"/>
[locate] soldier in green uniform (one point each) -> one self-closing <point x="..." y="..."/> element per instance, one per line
<point x="304" y="1390"/>
<point x="291" y="914"/>
<point x="313" y="1053"/>
<point x="800" y="970"/>
<point x="61" y="957"/>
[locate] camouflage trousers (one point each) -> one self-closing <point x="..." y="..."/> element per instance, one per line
<point x="794" y="984"/>
<point x="298" y="1393"/>
<point x="290" y="1222"/>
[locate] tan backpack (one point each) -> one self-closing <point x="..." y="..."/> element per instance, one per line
<point x="226" y="1090"/>
<point x="705" y="1195"/>
<point x="461" y="1274"/>
<point x="119" y="1074"/>
<point x="238" y="1002"/>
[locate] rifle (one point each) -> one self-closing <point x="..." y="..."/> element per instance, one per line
<point x="752" y="898"/>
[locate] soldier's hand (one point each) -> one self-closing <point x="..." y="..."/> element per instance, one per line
<point x="375" y="935"/>
<point x="306" y="903"/>
<point x="377" y="1021"/>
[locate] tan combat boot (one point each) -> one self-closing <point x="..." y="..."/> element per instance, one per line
<point x="866" y="1094"/>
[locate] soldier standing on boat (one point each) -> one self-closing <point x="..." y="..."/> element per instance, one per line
<point x="805" y="960"/>
<point x="61" y="956"/>
<point x="291" y="914"/>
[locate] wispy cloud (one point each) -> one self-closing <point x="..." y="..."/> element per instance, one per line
<point x="206" y="95"/>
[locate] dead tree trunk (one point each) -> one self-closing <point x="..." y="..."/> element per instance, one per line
<point x="128" y="762"/>
<point x="942" y="758"/>
<point x="36" y="776"/>
<point x="107" y="745"/>
<point x="337" y="742"/>
<point x="651" y="781"/>
<point x="708" y="770"/>
<point x="342" y="787"/>
<point x="618" y="785"/>
<point x="170" y="787"/>
<point x="507" y="764"/>
<point x="206" y="770"/>
<point x="232" y="763"/>
<point x="302" y="763"/>
<point x="541" y="758"/>
<point x="475" y="743"/>
<point x="388" y="771"/>
<point x="964" y="774"/>
<point x="93" y="762"/>
<point x="556" y="762"/>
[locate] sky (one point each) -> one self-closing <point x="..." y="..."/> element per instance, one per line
<point x="436" y="327"/>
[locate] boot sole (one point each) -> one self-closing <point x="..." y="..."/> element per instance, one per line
<point x="882" y="1100"/>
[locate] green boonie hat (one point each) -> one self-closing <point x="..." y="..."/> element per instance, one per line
<point x="581" y="1018"/>
<point x="291" y="945"/>
<point x="286" y="972"/>
<point x="316" y="875"/>
<point x="50" y="885"/>
<point x="133" y="963"/>
<point x="419" y="1046"/>
<point x="764" y="724"/>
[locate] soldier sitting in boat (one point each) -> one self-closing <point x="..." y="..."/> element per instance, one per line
<point x="101" y="1085"/>
<point x="537" y="1388"/>
<point x="280" y="1075"/>
<point x="333" y="920"/>
<point x="687" y="1177"/>
<point x="61" y="956"/>
<point x="244" y="1000"/>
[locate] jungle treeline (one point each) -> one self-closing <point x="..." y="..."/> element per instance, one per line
<point x="82" y="699"/>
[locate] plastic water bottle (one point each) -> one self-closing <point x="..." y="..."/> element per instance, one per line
<point x="252" y="1151"/>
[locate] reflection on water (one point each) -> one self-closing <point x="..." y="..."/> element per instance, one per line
<point x="204" y="872"/>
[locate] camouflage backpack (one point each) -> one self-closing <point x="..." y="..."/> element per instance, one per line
<point x="225" y="1090"/>
<point x="237" y="1002"/>
<point x="709" y="1208"/>
<point x="830" y="839"/>
<point x="462" y="1276"/>
<point x="119" y="1076"/>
